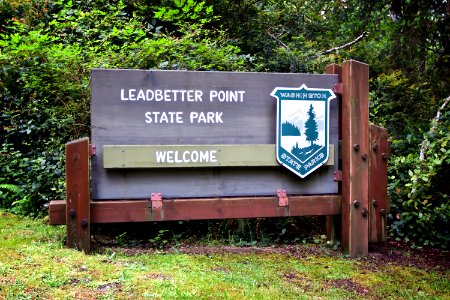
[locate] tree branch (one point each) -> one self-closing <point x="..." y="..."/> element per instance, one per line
<point x="284" y="45"/>
<point x="363" y="35"/>
<point x="434" y="125"/>
<point x="423" y="145"/>
<point x="293" y="64"/>
<point x="279" y="41"/>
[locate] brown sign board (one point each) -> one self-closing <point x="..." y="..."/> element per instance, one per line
<point x="205" y="119"/>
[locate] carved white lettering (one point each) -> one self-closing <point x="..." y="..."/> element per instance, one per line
<point x="209" y="117"/>
<point x="122" y="95"/>
<point x="226" y="96"/>
<point x="171" y="117"/>
<point x="187" y="156"/>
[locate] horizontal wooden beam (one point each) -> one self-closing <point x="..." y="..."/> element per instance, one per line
<point x="57" y="212"/>
<point x="178" y="156"/>
<point x="118" y="211"/>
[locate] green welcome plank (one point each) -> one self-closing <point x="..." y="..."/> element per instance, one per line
<point x="178" y="156"/>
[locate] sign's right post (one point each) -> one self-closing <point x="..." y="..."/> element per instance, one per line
<point x="378" y="196"/>
<point x="355" y="157"/>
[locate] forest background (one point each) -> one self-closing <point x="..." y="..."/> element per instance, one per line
<point x="47" y="49"/>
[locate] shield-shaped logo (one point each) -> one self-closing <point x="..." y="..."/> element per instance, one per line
<point x="302" y="127"/>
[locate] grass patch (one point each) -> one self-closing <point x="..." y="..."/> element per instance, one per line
<point x="34" y="264"/>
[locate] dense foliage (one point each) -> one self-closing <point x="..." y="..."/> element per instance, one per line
<point x="419" y="185"/>
<point x="47" y="49"/>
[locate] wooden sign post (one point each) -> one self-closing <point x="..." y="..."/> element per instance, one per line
<point x="201" y="145"/>
<point x="355" y="157"/>
<point x="78" y="195"/>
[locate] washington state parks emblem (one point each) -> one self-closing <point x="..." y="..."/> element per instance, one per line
<point x="302" y="128"/>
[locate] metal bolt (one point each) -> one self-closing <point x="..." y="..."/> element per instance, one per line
<point x="364" y="156"/>
<point x="84" y="222"/>
<point x="356" y="203"/>
<point x="356" y="147"/>
<point x="375" y="147"/>
<point x="384" y="156"/>
<point x="375" y="203"/>
<point x="72" y="213"/>
<point x="382" y="212"/>
<point x="364" y="212"/>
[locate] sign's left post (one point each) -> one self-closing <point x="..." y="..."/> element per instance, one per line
<point x="78" y="195"/>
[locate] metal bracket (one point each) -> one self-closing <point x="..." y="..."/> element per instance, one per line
<point x="156" y="200"/>
<point x="282" y="198"/>
<point x="337" y="176"/>
<point x="337" y="88"/>
<point x="92" y="150"/>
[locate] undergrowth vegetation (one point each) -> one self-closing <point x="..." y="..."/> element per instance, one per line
<point x="47" y="49"/>
<point x="234" y="232"/>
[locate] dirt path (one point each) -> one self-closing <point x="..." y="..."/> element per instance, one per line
<point x="380" y="254"/>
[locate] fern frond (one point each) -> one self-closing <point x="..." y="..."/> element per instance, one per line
<point x="9" y="187"/>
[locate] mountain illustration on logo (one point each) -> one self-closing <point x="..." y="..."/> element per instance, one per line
<point x="302" y="128"/>
<point x="310" y="134"/>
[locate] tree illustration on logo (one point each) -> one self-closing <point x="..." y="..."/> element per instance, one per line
<point x="311" y="132"/>
<point x="289" y="129"/>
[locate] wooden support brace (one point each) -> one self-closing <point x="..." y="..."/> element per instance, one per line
<point x="333" y="222"/>
<point x="117" y="211"/>
<point x="378" y="197"/>
<point x="355" y="162"/>
<point x="78" y="195"/>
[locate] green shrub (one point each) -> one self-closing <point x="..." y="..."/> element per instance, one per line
<point x="46" y="53"/>
<point x="420" y="189"/>
<point x="40" y="111"/>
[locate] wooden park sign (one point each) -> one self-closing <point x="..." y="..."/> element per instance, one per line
<point x="181" y="145"/>
<point x="193" y="134"/>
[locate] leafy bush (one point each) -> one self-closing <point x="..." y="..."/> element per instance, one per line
<point x="47" y="51"/>
<point x="400" y="104"/>
<point x="41" y="109"/>
<point x="419" y="188"/>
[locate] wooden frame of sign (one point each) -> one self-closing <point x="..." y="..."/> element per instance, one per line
<point x="228" y="174"/>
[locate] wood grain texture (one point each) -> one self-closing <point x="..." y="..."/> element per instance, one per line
<point x="78" y="195"/>
<point x="333" y="223"/>
<point x="355" y="147"/>
<point x="253" y="121"/>
<point x="378" y="196"/>
<point x="57" y="212"/>
<point x="118" y="211"/>
<point x="192" y="156"/>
